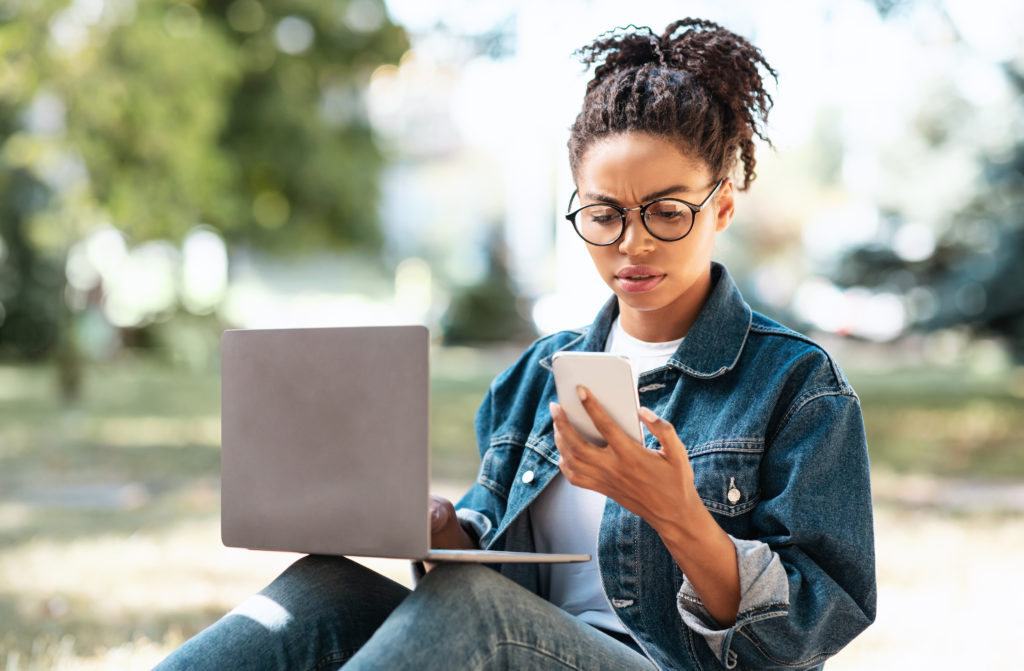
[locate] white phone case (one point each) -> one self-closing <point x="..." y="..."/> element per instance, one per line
<point x="610" y="378"/>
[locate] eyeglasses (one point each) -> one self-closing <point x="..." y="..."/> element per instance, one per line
<point x="667" y="219"/>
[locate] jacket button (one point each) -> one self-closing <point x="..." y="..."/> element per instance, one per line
<point x="527" y="477"/>
<point x="734" y="495"/>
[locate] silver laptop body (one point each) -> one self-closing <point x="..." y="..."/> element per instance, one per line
<point x="325" y="444"/>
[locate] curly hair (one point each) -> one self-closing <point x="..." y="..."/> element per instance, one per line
<point x="698" y="84"/>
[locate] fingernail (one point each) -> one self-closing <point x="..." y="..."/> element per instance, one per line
<point x="582" y="391"/>
<point x="648" y="415"/>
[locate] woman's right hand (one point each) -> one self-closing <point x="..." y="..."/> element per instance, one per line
<point x="445" y="530"/>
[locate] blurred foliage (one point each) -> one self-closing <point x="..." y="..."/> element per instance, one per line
<point x="156" y="116"/>
<point x="973" y="277"/>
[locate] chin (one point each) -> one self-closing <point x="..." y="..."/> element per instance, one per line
<point x="643" y="302"/>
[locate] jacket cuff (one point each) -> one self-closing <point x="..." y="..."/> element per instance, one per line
<point x="764" y="592"/>
<point x="476" y="524"/>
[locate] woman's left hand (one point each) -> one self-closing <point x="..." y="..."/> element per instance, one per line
<point x="657" y="485"/>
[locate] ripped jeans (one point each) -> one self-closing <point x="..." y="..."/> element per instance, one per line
<point x="330" y="612"/>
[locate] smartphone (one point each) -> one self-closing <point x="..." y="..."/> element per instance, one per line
<point x="610" y="378"/>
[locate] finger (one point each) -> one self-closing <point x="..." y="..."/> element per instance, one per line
<point x="579" y="478"/>
<point x="607" y="426"/>
<point x="441" y="511"/>
<point x="663" y="430"/>
<point x="577" y="466"/>
<point x="558" y="417"/>
<point x="570" y="444"/>
<point x="566" y="435"/>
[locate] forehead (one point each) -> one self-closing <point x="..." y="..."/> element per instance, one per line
<point x="629" y="165"/>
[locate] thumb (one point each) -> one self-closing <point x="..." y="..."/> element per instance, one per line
<point x="441" y="513"/>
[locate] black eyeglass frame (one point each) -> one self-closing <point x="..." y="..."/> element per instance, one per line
<point x="694" y="211"/>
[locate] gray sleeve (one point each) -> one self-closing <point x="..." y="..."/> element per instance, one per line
<point x="763" y="583"/>
<point x="476" y="524"/>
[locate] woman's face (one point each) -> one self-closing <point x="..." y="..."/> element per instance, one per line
<point x="661" y="286"/>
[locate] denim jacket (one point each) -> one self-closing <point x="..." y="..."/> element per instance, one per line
<point x="775" y="437"/>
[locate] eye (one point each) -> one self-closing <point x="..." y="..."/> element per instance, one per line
<point x="600" y="215"/>
<point x="666" y="211"/>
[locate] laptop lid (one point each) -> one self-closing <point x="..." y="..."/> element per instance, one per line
<point x="325" y="444"/>
<point x="325" y="440"/>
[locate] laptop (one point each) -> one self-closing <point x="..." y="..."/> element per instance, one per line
<point x="325" y="444"/>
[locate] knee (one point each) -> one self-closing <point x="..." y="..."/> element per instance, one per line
<point x="333" y="592"/>
<point x="466" y="579"/>
<point x="316" y="580"/>
<point x="311" y="571"/>
<point x="469" y="591"/>
<point x="320" y="565"/>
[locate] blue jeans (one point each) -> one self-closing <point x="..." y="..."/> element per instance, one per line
<point x="329" y="612"/>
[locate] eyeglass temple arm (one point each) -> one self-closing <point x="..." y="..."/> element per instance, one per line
<point x="711" y="195"/>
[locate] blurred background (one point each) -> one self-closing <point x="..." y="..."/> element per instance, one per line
<point x="169" y="169"/>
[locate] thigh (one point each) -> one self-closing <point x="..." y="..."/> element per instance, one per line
<point x="315" y="615"/>
<point x="470" y="617"/>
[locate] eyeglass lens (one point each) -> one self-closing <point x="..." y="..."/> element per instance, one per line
<point x="665" y="219"/>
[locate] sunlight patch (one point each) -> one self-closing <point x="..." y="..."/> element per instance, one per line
<point x="265" y="611"/>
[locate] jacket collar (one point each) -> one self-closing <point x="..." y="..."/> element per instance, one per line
<point x="713" y="344"/>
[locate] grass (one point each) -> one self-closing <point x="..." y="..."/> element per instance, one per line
<point x="109" y="531"/>
<point x="949" y="422"/>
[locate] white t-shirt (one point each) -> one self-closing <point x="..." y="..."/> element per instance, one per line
<point x="566" y="518"/>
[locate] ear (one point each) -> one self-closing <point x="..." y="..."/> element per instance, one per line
<point x="725" y="205"/>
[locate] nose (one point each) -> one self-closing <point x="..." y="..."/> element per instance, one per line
<point x="636" y="239"/>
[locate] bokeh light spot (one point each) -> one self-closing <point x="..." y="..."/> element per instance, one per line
<point x="364" y="16"/>
<point x="182" y="21"/>
<point x="204" y="270"/>
<point x="293" y="35"/>
<point x="914" y="242"/>
<point x="271" y="209"/>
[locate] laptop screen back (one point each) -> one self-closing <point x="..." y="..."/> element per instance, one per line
<point x="325" y="445"/>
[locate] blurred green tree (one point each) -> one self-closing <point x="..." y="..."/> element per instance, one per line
<point x="974" y="277"/>
<point x="156" y="116"/>
<point x="489" y="311"/>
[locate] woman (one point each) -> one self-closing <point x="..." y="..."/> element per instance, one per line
<point x="739" y="536"/>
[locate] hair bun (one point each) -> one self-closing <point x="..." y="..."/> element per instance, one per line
<point x="639" y="67"/>
<point x="727" y="64"/>
<point x="620" y="49"/>
<point x="717" y="57"/>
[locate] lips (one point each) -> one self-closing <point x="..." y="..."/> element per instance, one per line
<point x="638" y="279"/>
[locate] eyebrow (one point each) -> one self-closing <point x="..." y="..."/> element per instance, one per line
<point x="679" y="188"/>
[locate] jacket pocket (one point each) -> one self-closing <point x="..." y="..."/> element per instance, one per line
<point x="727" y="475"/>
<point x="499" y="463"/>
